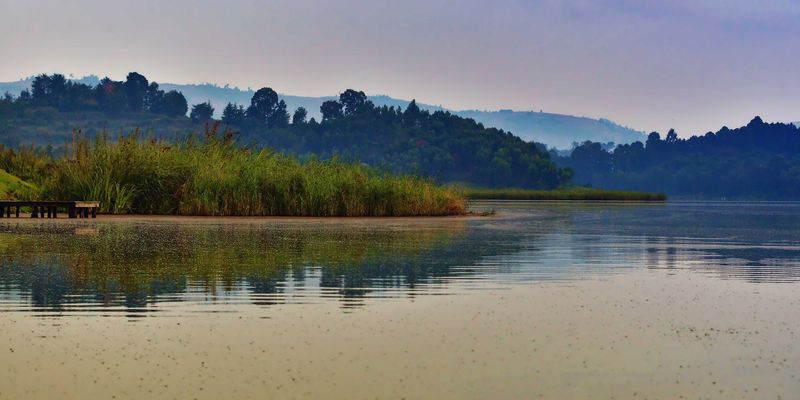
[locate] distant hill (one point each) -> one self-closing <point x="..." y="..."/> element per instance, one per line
<point x="554" y="130"/>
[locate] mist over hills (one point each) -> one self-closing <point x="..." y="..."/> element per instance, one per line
<point x="554" y="130"/>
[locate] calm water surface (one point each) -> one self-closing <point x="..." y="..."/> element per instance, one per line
<point x="551" y="300"/>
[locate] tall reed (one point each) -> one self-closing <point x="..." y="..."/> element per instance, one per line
<point x="211" y="175"/>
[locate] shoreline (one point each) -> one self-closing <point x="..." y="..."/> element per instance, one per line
<point x="254" y="219"/>
<point x="565" y="194"/>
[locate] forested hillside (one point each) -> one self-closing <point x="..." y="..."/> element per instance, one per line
<point x="554" y="130"/>
<point x="757" y="161"/>
<point x="436" y="144"/>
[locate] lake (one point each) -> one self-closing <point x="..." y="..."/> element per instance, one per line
<point x="542" y="300"/>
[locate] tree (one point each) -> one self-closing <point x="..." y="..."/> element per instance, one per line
<point x="110" y="95"/>
<point x="233" y="114"/>
<point x="202" y="112"/>
<point x="40" y="88"/>
<point x="331" y="110"/>
<point x="299" y="116"/>
<point x="175" y="104"/>
<point x="136" y="87"/>
<point x="413" y="109"/>
<point x="153" y="99"/>
<point x="48" y="90"/>
<point x="354" y="102"/>
<point x="24" y="96"/>
<point x="672" y="136"/>
<point x="262" y="105"/>
<point x="279" y="117"/>
<point x="653" y="140"/>
<point x="58" y="87"/>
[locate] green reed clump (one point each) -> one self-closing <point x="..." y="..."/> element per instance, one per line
<point x="214" y="176"/>
<point x="575" y="193"/>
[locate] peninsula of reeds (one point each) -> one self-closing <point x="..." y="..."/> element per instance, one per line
<point x="212" y="175"/>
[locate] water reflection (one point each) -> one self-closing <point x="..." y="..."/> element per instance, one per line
<point x="132" y="266"/>
<point x="135" y="268"/>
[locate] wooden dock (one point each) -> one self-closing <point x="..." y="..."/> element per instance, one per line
<point x="49" y="209"/>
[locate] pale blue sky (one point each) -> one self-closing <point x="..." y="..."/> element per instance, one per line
<point x="692" y="65"/>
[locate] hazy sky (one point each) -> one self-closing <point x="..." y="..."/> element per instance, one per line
<point x="688" y="64"/>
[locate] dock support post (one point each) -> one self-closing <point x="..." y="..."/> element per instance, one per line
<point x="17" y="211"/>
<point x="2" y="212"/>
<point x="72" y="212"/>
<point x="55" y="212"/>
<point x="35" y="212"/>
<point x="94" y="212"/>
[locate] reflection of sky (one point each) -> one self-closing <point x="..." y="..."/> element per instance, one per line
<point x="691" y="65"/>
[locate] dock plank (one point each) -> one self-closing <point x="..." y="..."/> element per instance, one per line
<point x="49" y="209"/>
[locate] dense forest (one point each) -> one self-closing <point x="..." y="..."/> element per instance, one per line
<point x="438" y="144"/>
<point x="758" y="161"/>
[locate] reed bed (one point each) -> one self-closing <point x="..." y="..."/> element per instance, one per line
<point x="212" y="175"/>
<point x="575" y="193"/>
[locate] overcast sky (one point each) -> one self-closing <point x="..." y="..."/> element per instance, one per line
<point x="692" y="65"/>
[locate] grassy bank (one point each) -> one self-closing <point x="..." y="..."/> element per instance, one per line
<point x="578" y="193"/>
<point x="211" y="175"/>
<point x="11" y="187"/>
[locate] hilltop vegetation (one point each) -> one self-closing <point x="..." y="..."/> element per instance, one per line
<point x="440" y="145"/>
<point x="757" y="161"/>
<point x="554" y="130"/>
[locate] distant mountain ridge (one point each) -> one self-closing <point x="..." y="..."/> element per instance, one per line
<point x="554" y="130"/>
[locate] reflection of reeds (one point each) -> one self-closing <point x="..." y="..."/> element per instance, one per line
<point x="214" y="176"/>
<point x="149" y="260"/>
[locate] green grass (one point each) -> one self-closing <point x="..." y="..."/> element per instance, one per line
<point x="214" y="176"/>
<point x="12" y="187"/>
<point x="576" y="193"/>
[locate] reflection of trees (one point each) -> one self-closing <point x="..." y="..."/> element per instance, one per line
<point x="131" y="265"/>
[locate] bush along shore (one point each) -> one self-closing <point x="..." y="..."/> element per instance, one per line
<point x="212" y="175"/>
<point x="575" y="193"/>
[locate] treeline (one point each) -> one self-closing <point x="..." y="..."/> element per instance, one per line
<point x="757" y="161"/>
<point x="439" y="144"/>
<point x="134" y="94"/>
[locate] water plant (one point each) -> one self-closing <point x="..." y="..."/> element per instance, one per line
<point x="213" y="175"/>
